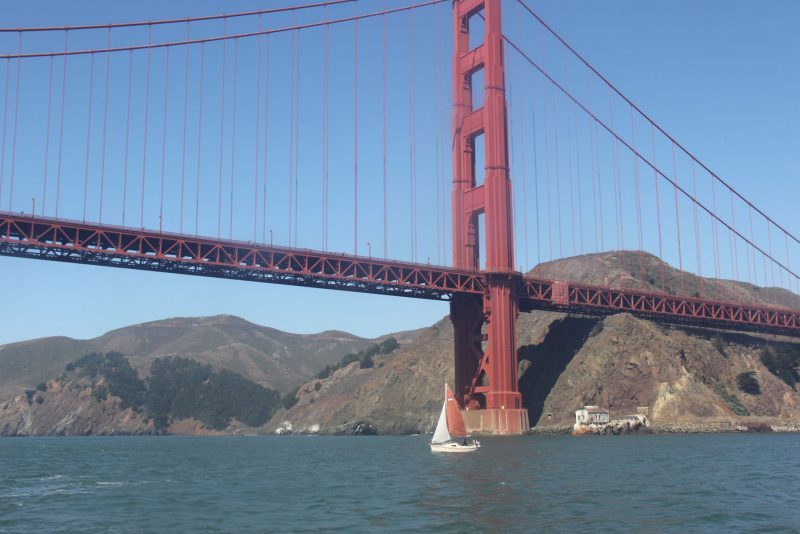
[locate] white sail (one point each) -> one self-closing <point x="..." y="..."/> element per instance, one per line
<point x="441" y="434"/>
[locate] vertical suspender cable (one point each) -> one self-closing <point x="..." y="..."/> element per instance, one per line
<point x="788" y="274"/>
<point x="547" y="159"/>
<point x="569" y="157"/>
<point x="438" y="143"/>
<point x="752" y="240"/>
<point x="764" y="264"/>
<point x="780" y="285"/>
<point x="593" y="148"/>
<point x="571" y="177"/>
<point x="384" y="58"/>
<point x="734" y="247"/>
<point x="88" y="136"/>
<point x="698" y="247"/>
<point x="524" y="193"/>
<point x="47" y="137"/>
<point x="444" y="115"/>
<point x="16" y="120"/>
<point x="297" y="141"/>
<point x="535" y="171"/>
<point x="127" y="137"/>
<point x="61" y="127"/>
<point x="266" y="139"/>
<point x="578" y="175"/>
<point x="558" y="176"/>
<point x="512" y="157"/>
<point x="325" y="122"/>
<point x="771" y="265"/>
<point x="678" y="222"/>
<point x="233" y="134"/>
<point x="355" y="145"/>
<point x="662" y="287"/>
<point x="5" y="121"/>
<point x="146" y="110"/>
<point x="164" y="142"/>
<point x="441" y="143"/>
<point x="185" y="116"/>
<point x="714" y="233"/>
<point x="199" y="139"/>
<point x="638" y="203"/>
<point x="593" y="166"/>
<point x="258" y="132"/>
<point x="105" y="128"/>
<point x="413" y="132"/>
<point x="442" y="134"/>
<point x="221" y="127"/>
<point x="617" y="185"/>
<point x="547" y="173"/>
<point x="291" y="128"/>
<point x="747" y="261"/>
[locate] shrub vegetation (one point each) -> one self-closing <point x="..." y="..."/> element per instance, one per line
<point x="782" y="360"/>
<point x="179" y="388"/>
<point x="730" y="399"/>
<point x="364" y="357"/>
<point x="748" y="383"/>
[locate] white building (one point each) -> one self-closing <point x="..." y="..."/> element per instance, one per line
<point x="591" y="415"/>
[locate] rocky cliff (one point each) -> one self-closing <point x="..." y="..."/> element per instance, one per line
<point x="69" y="407"/>
<point x="675" y="374"/>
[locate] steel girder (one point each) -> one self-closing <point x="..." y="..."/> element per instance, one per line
<point x="594" y="300"/>
<point x="76" y="242"/>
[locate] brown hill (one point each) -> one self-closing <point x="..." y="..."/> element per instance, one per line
<point x="643" y="271"/>
<point x="620" y="362"/>
<point x="272" y="358"/>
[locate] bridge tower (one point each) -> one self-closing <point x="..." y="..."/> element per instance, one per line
<point x="485" y="326"/>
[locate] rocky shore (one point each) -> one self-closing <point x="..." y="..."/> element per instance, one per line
<point x="704" y="427"/>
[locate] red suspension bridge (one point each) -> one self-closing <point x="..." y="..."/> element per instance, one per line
<point x="188" y="145"/>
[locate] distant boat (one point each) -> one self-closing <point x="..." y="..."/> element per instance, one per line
<point x="451" y="433"/>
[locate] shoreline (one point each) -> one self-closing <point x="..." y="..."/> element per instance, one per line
<point x="690" y="427"/>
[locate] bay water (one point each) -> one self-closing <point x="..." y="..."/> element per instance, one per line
<point x="639" y="483"/>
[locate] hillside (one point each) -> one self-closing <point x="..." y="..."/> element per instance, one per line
<point x="269" y="357"/>
<point x="679" y="374"/>
<point x="643" y="271"/>
<point x="101" y="394"/>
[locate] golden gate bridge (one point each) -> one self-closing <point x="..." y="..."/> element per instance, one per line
<point x="142" y="144"/>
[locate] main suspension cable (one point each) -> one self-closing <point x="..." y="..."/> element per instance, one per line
<point x="228" y="37"/>
<point x="651" y="121"/>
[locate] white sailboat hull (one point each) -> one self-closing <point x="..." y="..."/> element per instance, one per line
<point x="442" y="440"/>
<point x="455" y="447"/>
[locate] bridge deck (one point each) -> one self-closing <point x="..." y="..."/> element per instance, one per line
<point x="77" y="242"/>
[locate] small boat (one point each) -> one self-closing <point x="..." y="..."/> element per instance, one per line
<point x="451" y="433"/>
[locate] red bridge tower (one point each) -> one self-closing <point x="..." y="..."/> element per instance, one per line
<point x="485" y="326"/>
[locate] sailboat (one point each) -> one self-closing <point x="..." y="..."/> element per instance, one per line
<point x="451" y="433"/>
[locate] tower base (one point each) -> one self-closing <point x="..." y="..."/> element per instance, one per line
<point x="499" y="422"/>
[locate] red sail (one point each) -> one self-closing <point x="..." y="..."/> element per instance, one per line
<point x="455" y="423"/>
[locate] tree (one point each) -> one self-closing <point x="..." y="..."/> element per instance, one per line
<point x="365" y="361"/>
<point x="748" y="383"/>
<point x="782" y="360"/>
<point x="388" y="345"/>
<point x="121" y="379"/>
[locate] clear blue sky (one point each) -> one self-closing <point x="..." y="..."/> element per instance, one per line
<point x="721" y="77"/>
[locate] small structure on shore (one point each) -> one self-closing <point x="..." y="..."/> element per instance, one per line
<point x="591" y="415"/>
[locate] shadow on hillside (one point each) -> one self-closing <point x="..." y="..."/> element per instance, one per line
<point x="549" y="359"/>
<point x="745" y="339"/>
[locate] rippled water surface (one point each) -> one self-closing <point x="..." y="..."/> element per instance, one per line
<point x="696" y="483"/>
